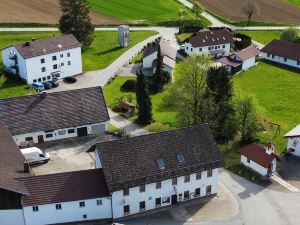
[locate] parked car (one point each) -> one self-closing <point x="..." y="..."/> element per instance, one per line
<point x="47" y="85"/>
<point x="38" y="86"/>
<point x="35" y="155"/>
<point x="70" y="80"/>
<point x="54" y="84"/>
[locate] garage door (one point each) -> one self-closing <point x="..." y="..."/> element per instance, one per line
<point x="82" y="131"/>
<point x="98" y="130"/>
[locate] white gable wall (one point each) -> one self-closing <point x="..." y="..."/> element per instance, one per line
<point x="189" y="49"/>
<point x="148" y="61"/>
<point x="254" y="166"/>
<point x="12" y="216"/>
<point x="281" y="60"/>
<point x="248" y="63"/>
<point x="294" y="142"/>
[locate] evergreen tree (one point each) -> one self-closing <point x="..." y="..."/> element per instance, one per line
<point x="157" y="84"/>
<point x="143" y="101"/>
<point x="75" y="20"/>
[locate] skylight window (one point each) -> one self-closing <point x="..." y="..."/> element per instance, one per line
<point x="59" y="46"/>
<point x="180" y="158"/>
<point x="161" y="164"/>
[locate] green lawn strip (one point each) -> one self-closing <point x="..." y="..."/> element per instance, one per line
<point x="276" y="92"/>
<point x="181" y="37"/>
<point x="138" y="58"/>
<point x="263" y="37"/>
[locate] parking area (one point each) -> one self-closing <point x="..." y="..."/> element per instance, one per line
<point x="290" y="171"/>
<point x="69" y="155"/>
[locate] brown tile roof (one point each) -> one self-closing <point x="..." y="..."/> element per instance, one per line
<point x="65" y="187"/>
<point x="166" y="50"/>
<point x="209" y="38"/>
<point x="47" y="46"/>
<point x="247" y="53"/>
<point x="284" y="49"/>
<point x="228" y="61"/>
<point x="53" y="111"/>
<point x="132" y="161"/>
<point x="257" y="153"/>
<point x="11" y="163"/>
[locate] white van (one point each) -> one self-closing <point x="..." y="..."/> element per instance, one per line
<point x="35" y="155"/>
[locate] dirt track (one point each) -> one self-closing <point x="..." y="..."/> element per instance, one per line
<point x="40" y="11"/>
<point x="268" y="10"/>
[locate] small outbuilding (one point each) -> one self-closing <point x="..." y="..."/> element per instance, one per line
<point x="293" y="137"/>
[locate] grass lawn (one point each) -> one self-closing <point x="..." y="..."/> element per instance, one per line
<point x="294" y="2"/>
<point x="101" y="53"/>
<point x="277" y="94"/>
<point x="263" y="37"/>
<point x="181" y="37"/>
<point x="146" y="11"/>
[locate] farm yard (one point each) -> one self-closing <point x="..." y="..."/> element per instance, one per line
<point x="275" y="11"/>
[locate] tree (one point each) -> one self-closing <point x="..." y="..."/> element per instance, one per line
<point x="143" y="101"/>
<point x="249" y="9"/>
<point x="221" y="89"/>
<point x="247" y="119"/>
<point x="189" y="94"/>
<point x="289" y="34"/>
<point x="75" y="20"/>
<point x="182" y="13"/>
<point x="198" y="9"/>
<point x="157" y="83"/>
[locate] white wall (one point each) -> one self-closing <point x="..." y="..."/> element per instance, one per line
<point x="11" y="217"/>
<point x="280" y="60"/>
<point x="166" y="190"/>
<point x="248" y="63"/>
<point x="253" y="165"/>
<point x="70" y="212"/>
<point x="294" y="142"/>
<point x="189" y="49"/>
<point x="21" y="138"/>
<point x="148" y="61"/>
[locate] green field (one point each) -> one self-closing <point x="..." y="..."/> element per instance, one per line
<point x="294" y="2"/>
<point x="263" y="37"/>
<point x="144" y="11"/>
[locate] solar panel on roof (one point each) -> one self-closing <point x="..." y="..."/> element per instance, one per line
<point x="180" y="158"/>
<point x="161" y="163"/>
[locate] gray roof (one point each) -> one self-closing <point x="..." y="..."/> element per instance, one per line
<point x="295" y="132"/>
<point x="11" y="163"/>
<point x="132" y="161"/>
<point x="52" y="111"/>
<point x="47" y="46"/>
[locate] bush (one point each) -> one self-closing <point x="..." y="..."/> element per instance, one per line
<point x="245" y="42"/>
<point x="129" y="85"/>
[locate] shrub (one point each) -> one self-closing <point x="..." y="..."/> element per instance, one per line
<point x="129" y="85"/>
<point x="243" y="43"/>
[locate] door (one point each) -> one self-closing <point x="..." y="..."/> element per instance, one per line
<point x="174" y="200"/>
<point x="40" y="139"/>
<point x="82" y="131"/>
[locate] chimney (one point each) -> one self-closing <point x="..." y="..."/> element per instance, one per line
<point x="26" y="167"/>
<point x="270" y="148"/>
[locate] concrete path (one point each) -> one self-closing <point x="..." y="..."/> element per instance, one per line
<point x="283" y="183"/>
<point x="122" y="123"/>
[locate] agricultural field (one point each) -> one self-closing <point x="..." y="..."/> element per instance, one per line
<point x="275" y="11"/>
<point x="294" y="2"/>
<point x="263" y="37"/>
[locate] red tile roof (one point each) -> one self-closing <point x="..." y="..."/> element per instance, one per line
<point x="228" y="61"/>
<point x="257" y="153"/>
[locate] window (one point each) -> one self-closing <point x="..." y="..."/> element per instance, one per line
<point x="273" y="56"/>
<point x="186" y="195"/>
<point x="28" y="138"/>
<point x="35" y="208"/>
<point x="48" y="77"/>
<point x="49" y="135"/>
<point x="174" y="181"/>
<point x="208" y="190"/>
<point x="200" y="49"/>
<point x="68" y="54"/>
<point x="54" y="58"/>
<point x="69" y="63"/>
<point x="157" y="202"/>
<point x="34" y="80"/>
<point x="191" y="49"/>
<point x="58" y="206"/>
<point x="126" y="192"/>
<point x="84" y="216"/>
<point x="298" y="63"/>
<point x="42" y="60"/>
<point x="186" y="178"/>
<point x="198" y="176"/>
<point x="81" y="204"/>
<point x="41" y="155"/>
<point x="61" y="55"/>
<point x="61" y="132"/>
<point x="40" y="79"/>
<point x="180" y="158"/>
<point x="55" y="66"/>
<point x="142" y="188"/>
<point x="142" y="206"/>
<point x="285" y="59"/>
<point x="126" y="209"/>
<point x="158" y="185"/>
<point x="223" y="46"/>
<point x="43" y="69"/>
<point x="99" y="202"/>
<point x="161" y="164"/>
<point x="71" y="131"/>
<point x="44" y="78"/>
<point x="268" y="55"/>
<point x="197" y="192"/>
<point x="209" y="173"/>
<point x="187" y="48"/>
<point x="248" y="160"/>
<point x="62" y="64"/>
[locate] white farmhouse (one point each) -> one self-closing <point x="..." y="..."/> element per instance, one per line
<point x="282" y="52"/>
<point x="52" y="116"/>
<point x="213" y="42"/>
<point x="293" y="137"/>
<point x="45" y="59"/>
<point x="261" y="159"/>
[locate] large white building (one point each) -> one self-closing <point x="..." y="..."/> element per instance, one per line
<point x="45" y="59"/>
<point x="132" y="175"/>
<point x="293" y="137"/>
<point x="282" y="52"/>
<point x="213" y="42"/>
<point x="52" y="116"/>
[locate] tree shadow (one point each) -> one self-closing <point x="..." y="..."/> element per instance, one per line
<point x="108" y="51"/>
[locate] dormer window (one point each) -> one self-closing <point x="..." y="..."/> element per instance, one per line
<point x="180" y="158"/>
<point x="161" y="164"/>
